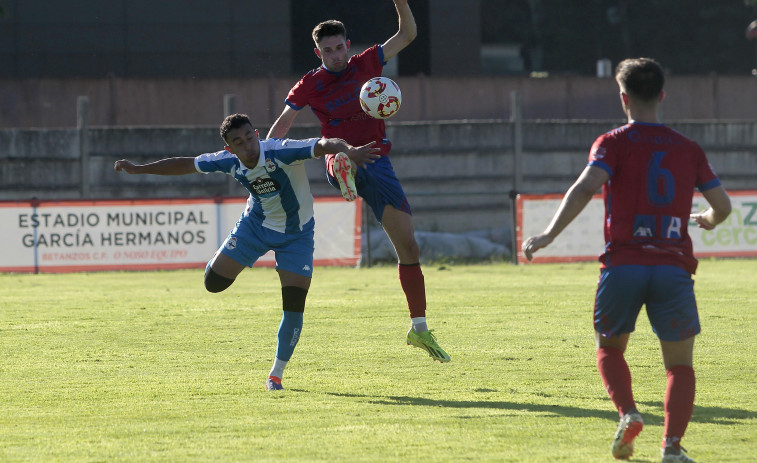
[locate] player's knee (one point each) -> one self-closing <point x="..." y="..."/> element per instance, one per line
<point x="293" y="298"/>
<point x="408" y="252"/>
<point x="214" y="282"/>
<point x="414" y="250"/>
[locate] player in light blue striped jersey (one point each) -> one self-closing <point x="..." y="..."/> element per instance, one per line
<point x="278" y="216"/>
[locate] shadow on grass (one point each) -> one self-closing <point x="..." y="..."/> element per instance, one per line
<point x="546" y="409"/>
<point x="702" y="414"/>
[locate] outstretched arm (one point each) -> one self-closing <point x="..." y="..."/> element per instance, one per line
<point x="168" y="166"/>
<point x="282" y="125"/>
<point x="577" y="197"/>
<point x="360" y="155"/>
<point x="720" y="207"/>
<point x="405" y="34"/>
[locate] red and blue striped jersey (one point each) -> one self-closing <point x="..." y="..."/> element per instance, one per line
<point x="334" y="97"/>
<point x="653" y="173"/>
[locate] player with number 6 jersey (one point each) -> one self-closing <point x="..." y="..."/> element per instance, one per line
<point x="648" y="173"/>
<point x="648" y="220"/>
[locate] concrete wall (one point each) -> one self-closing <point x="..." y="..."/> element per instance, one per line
<point x="457" y="174"/>
<point x="199" y="102"/>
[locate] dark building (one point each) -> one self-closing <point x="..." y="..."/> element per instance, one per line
<point x="261" y="38"/>
<point x="217" y="38"/>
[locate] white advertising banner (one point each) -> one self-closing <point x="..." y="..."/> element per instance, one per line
<point x="161" y="234"/>
<point x="583" y="239"/>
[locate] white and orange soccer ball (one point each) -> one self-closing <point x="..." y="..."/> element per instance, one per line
<point x="380" y="97"/>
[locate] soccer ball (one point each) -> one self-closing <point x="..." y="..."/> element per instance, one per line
<point x="380" y="97"/>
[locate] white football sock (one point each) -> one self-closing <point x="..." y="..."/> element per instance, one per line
<point x="278" y="368"/>
<point x="419" y="324"/>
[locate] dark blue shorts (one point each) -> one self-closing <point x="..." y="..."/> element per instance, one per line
<point x="248" y="241"/>
<point x="666" y="290"/>
<point x="378" y="185"/>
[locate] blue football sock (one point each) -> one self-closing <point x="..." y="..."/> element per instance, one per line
<point x="289" y="334"/>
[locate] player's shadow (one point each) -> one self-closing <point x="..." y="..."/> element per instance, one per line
<point x="544" y="409"/>
<point x="702" y="414"/>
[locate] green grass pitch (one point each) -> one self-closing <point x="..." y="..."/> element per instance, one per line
<point x="134" y="367"/>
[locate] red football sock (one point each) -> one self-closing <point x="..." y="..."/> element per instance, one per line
<point x="679" y="403"/>
<point x="414" y="286"/>
<point x="330" y="164"/>
<point x="616" y="377"/>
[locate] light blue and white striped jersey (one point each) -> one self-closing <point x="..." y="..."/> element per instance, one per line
<point x="280" y="197"/>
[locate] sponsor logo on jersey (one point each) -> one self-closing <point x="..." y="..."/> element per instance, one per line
<point x="643" y="231"/>
<point x="337" y="101"/>
<point x="644" y="226"/>
<point x="265" y="187"/>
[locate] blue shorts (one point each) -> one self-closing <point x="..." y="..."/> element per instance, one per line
<point x="293" y="251"/>
<point x="666" y="290"/>
<point x="378" y="185"/>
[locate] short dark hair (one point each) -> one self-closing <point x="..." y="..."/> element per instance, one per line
<point x="641" y="78"/>
<point x="232" y="122"/>
<point x="327" y="29"/>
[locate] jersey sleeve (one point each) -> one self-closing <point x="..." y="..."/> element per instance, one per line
<point x="707" y="179"/>
<point x="601" y="154"/>
<point x="372" y="60"/>
<point x="220" y="161"/>
<point x="290" y="151"/>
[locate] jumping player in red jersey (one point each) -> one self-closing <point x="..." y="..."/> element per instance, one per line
<point x="332" y="92"/>
<point x="647" y="173"/>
